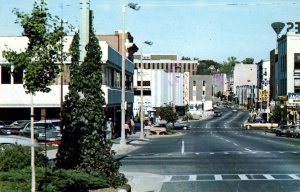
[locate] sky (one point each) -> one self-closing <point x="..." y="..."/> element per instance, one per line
<point x="204" y="29"/>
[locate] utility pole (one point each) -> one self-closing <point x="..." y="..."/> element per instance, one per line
<point x="84" y="28"/>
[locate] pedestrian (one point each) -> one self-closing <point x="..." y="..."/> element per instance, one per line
<point x="109" y="128"/>
<point x="126" y="126"/>
<point x="132" y="126"/>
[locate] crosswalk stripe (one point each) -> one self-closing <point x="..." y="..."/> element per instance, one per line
<point x="218" y="177"/>
<point x="243" y="177"/>
<point x="294" y="176"/>
<point x="193" y="178"/>
<point x="269" y="177"/>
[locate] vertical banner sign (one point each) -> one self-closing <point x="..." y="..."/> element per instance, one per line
<point x="186" y="88"/>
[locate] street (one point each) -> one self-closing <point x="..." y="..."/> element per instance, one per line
<point x="217" y="155"/>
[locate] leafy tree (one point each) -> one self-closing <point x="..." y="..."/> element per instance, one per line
<point x="248" y="61"/>
<point x="185" y="58"/>
<point x="84" y="146"/>
<point x="38" y="60"/>
<point x="204" y="67"/>
<point x="43" y="50"/>
<point x="167" y="112"/>
<point x="229" y="65"/>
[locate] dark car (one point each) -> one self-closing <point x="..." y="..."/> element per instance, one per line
<point x="282" y="130"/>
<point x="15" y="127"/>
<point x="2" y="124"/>
<point x="181" y="126"/>
<point x="43" y="131"/>
<point x="217" y="114"/>
<point x="293" y="131"/>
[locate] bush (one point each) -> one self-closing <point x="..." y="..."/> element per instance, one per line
<point x="15" y="174"/>
<point x="188" y="116"/>
<point x="55" y="180"/>
<point x="19" y="157"/>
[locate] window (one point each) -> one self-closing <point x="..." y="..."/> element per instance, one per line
<point x="5" y="74"/>
<point x="297" y="60"/>
<point x="203" y="83"/>
<point x="18" y="77"/>
<point x="194" y="83"/>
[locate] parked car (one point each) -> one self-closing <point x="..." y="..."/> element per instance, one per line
<point x="6" y="140"/>
<point x="56" y="123"/>
<point x="293" y="131"/>
<point x="43" y="131"/>
<point x="217" y="114"/>
<point x="282" y="130"/>
<point x="15" y="127"/>
<point x="2" y="124"/>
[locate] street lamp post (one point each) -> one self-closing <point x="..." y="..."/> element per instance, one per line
<point x="142" y="90"/>
<point x="136" y="7"/>
<point x="281" y="111"/>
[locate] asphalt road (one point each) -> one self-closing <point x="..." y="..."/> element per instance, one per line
<point x="217" y="155"/>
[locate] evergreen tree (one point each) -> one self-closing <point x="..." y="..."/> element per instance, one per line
<point x="84" y="146"/>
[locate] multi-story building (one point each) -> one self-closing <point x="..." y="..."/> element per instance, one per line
<point x="263" y="85"/>
<point x="15" y="103"/>
<point x="244" y="82"/>
<point x="167" y="62"/>
<point x="288" y="65"/>
<point x="159" y="88"/>
<point x="200" y="94"/>
<point x="287" y="75"/>
<point x="219" y="83"/>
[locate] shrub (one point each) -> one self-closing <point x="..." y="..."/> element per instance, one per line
<point x="19" y="157"/>
<point x="54" y="180"/>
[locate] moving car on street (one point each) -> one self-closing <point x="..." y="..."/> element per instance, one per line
<point x="282" y="130"/>
<point x="217" y="114"/>
<point x="259" y="124"/>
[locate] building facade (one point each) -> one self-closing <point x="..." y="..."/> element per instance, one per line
<point x="244" y="83"/>
<point x="15" y="103"/>
<point x="167" y="62"/>
<point x="159" y="88"/>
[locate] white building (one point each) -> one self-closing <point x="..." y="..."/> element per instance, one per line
<point x="159" y="88"/>
<point x="219" y="83"/>
<point x="15" y="103"/>
<point x="287" y="68"/>
<point x="244" y="82"/>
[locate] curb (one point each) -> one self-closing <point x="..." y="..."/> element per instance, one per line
<point x="124" y="188"/>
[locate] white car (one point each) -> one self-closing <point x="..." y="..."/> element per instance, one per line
<point x="15" y="140"/>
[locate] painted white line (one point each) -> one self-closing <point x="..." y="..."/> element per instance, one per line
<point x="193" y="178"/>
<point x="248" y="149"/>
<point x="235" y="144"/>
<point x="226" y="153"/>
<point x="243" y="177"/>
<point x="294" y="176"/>
<point x="197" y="153"/>
<point x="212" y="153"/>
<point x="281" y="152"/>
<point x="267" y="152"/>
<point x="295" y="152"/>
<point x="167" y="178"/>
<point x="269" y="177"/>
<point x="170" y="154"/>
<point x="218" y="177"/>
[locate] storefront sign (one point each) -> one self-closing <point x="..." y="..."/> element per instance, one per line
<point x="294" y="97"/>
